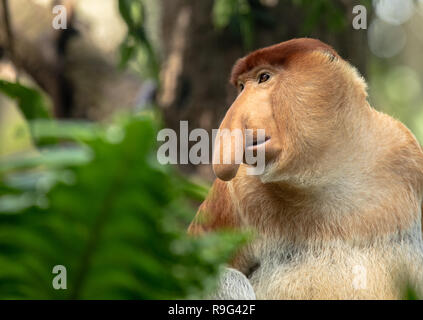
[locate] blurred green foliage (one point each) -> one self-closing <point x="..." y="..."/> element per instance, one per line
<point x="410" y="293"/>
<point x="30" y="101"/>
<point x="396" y="90"/>
<point x="238" y="14"/>
<point x="321" y="10"/>
<point x="137" y="44"/>
<point x="244" y="15"/>
<point x="98" y="203"/>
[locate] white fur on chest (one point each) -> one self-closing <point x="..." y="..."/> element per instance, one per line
<point x="334" y="271"/>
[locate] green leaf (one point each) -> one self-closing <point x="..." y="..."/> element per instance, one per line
<point x="238" y="13"/>
<point x="30" y="101"/>
<point x="223" y="10"/>
<point x="137" y="43"/>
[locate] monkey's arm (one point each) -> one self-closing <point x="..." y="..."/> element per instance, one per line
<point x="216" y="212"/>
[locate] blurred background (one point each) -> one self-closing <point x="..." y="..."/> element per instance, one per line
<point x="80" y="108"/>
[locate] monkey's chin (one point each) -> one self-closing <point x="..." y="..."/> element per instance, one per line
<point x="270" y="173"/>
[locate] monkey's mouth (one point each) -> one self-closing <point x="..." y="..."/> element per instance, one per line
<point x="256" y="142"/>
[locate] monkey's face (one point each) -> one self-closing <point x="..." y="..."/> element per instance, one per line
<point x="252" y="110"/>
<point x="298" y="101"/>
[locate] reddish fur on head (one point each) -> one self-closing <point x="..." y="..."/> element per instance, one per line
<point x="278" y="54"/>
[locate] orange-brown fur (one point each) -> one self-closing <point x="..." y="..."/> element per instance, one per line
<point x="342" y="185"/>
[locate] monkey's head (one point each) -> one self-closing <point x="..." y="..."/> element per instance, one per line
<point x="303" y="95"/>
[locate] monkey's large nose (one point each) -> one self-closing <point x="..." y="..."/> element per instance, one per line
<point x="225" y="172"/>
<point x="228" y="153"/>
<point x="230" y="141"/>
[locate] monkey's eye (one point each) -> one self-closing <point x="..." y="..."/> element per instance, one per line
<point x="263" y="77"/>
<point x="241" y="87"/>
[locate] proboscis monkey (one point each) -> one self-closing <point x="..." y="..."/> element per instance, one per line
<point x="337" y="211"/>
